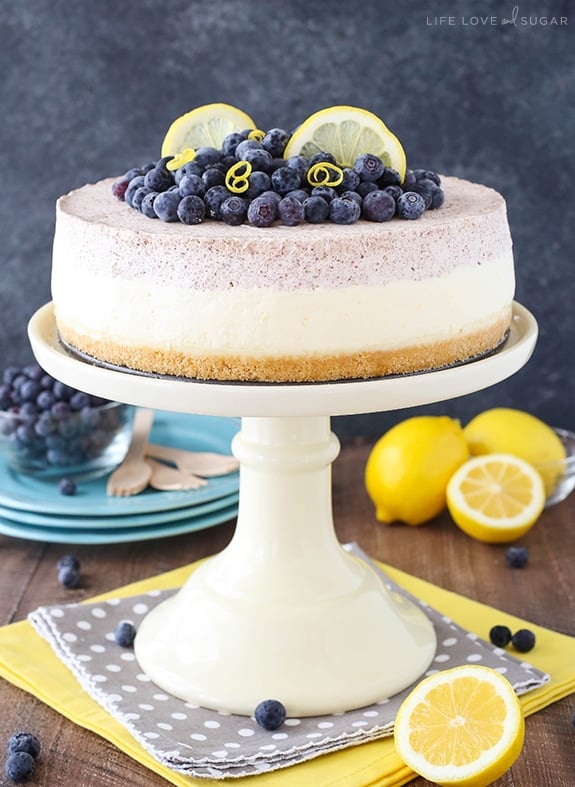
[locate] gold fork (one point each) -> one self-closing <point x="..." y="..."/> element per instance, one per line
<point x="133" y="474"/>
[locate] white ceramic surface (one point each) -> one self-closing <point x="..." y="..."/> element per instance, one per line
<point x="284" y="611"/>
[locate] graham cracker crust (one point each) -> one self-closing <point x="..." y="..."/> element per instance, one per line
<point x="292" y="368"/>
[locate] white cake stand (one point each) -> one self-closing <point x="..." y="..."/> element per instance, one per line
<point x="284" y="611"/>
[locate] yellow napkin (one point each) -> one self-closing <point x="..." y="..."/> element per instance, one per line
<point x="369" y="765"/>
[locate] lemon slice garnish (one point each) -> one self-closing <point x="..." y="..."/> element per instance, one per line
<point x="495" y="498"/>
<point x="462" y="726"/>
<point x="207" y="125"/>
<point x="347" y="132"/>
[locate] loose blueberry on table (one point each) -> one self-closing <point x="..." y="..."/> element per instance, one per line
<point x="270" y="714"/>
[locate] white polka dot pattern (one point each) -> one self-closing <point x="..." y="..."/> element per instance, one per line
<point x="204" y="743"/>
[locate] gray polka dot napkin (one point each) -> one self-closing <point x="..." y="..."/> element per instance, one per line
<point x="209" y="744"/>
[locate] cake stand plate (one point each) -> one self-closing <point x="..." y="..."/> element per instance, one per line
<point x="284" y="611"/>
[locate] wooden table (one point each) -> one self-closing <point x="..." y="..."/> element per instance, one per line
<point x="543" y="592"/>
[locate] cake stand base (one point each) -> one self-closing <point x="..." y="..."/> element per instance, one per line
<point x="284" y="612"/>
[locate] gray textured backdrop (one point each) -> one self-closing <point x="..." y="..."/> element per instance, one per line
<point x="89" y="88"/>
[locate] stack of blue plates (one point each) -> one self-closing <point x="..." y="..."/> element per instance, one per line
<point x="35" y="509"/>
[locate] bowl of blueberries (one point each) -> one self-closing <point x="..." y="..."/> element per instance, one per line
<point x="51" y="430"/>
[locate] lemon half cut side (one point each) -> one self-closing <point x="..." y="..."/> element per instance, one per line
<point x="205" y="126"/>
<point x="496" y="498"/>
<point x="462" y="726"/>
<point x="346" y="132"/>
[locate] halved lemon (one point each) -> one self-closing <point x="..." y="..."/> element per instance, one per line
<point x="495" y="498"/>
<point x="347" y="132"/>
<point x="462" y="726"/>
<point x="207" y="125"/>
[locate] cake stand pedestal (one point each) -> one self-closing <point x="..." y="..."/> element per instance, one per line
<point x="284" y="611"/>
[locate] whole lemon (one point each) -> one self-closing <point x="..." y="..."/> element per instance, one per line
<point x="504" y="430"/>
<point x="408" y="469"/>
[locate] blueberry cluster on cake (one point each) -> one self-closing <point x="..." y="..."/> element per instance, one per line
<point x="276" y="257"/>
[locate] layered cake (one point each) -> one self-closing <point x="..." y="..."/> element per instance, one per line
<point x="289" y="302"/>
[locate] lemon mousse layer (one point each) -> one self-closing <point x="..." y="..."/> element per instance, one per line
<point x="307" y="303"/>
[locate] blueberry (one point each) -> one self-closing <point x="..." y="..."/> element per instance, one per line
<point x="344" y="211"/>
<point x="262" y="211"/>
<point x="286" y="179"/>
<point x="207" y="155"/>
<point x="33" y="372"/>
<point x="427" y="174"/>
<point x="79" y="399"/>
<point x="159" y="179"/>
<point x="69" y="577"/>
<point x="353" y="195"/>
<point x="29" y="390"/>
<point x="500" y="636"/>
<point x="192" y="185"/>
<point x="45" y="425"/>
<point x="410" y="205"/>
<point x="166" y="205"/>
<point x="189" y="168"/>
<point x="369" y="167"/>
<point x="395" y="191"/>
<point x="291" y="211"/>
<point x="19" y="766"/>
<point x="390" y="177"/>
<point x="233" y="211"/>
<point x="213" y="199"/>
<point x="378" y="206"/>
<point x="274" y="141"/>
<point x="24" y="741"/>
<point x="437" y="199"/>
<point x="245" y="145"/>
<point x="9" y="374"/>
<point x="62" y="391"/>
<point x="147" y="205"/>
<point x="523" y="640"/>
<point x="119" y="187"/>
<point x="259" y="158"/>
<point x="409" y="180"/>
<point x="230" y="143"/>
<point x="316" y="210"/>
<point x="67" y="486"/>
<point x="427" y="189"/>
<point x="191" y="210"/>
<point x="351" y="180"/>
<point x="365" y="187"/>
<point x="517" y="557"/>
<point x="299" y="194"/>
<point x="321" y="157"/>
<point x="324" y="191"/>
<point x="277" y="163"/>
<point x="133" y="186"/>
<point x="212" y="177"/>
<point x="124" y="634"/>
<point x="258" y="183"/>
<point x="68" y="561"/>
<point x="138" y="197"/>
<point x="273" y="195"/>
<point x="270" y="714"/>
<point x="299" y="163"/>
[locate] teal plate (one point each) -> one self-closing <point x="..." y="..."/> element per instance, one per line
<point x="192" y="432"/>
<point x="118" y="535"/>
<point x="135" y="520"/>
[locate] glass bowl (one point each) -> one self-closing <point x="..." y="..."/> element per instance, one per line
<point x="559" y="477"/>
<point x="62" y="442"/>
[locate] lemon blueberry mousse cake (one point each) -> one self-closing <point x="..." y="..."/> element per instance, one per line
<point x="265" y="256"/>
